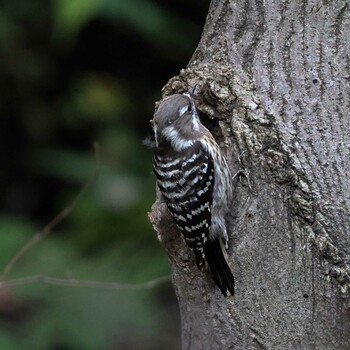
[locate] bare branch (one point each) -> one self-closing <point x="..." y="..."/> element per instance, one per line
<point x="64" y="282"/>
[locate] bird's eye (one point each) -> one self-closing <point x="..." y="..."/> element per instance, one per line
<point x="169" y="121"/>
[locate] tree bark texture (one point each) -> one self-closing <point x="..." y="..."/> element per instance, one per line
<point x="273" y="87"/>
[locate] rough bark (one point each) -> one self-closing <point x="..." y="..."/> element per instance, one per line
<point x="273" y="86"/>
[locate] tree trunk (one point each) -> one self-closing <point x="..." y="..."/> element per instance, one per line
<point x="273" y="87"/>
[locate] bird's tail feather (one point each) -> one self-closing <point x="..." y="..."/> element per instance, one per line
<point x="222" y="274"/>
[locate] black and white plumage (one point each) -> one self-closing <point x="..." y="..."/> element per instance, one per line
<point x="195" y="181"/>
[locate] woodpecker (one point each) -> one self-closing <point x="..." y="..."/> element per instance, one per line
<point x="195" y="182"/>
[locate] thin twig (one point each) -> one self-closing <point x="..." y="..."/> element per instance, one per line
<point x="54" y="222"/>
<point x="83" y="283"/>
<point x="63" y="281"/>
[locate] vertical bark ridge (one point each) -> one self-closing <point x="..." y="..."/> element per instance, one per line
<point x="274" y="73"/>
<point x="307" y="77"/>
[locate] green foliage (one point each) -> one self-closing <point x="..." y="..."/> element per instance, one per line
<point x="69" y="78"/>
<point x="70" y="15"/>
<point x="153" y="22"/>
<point x="85" y="318"/>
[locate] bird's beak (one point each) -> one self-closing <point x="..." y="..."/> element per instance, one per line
<point x="192" y="90"/>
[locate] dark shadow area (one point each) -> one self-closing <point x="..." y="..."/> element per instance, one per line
<point x="73" y="73"/>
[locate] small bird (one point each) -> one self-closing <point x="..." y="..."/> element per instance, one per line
<point x="195" y="181"/>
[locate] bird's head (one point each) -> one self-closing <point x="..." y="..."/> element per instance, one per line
<point x="176" y="121"/>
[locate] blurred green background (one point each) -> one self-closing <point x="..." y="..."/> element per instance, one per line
<point x="73" y="72"/>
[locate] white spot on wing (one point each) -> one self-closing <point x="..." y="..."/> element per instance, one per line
<point x="191" y="159"/>
<point x="200" y="192"/>
<point x="181" y="182"/>
<point x="191" y="170"/>
<point x="200" y="209"/>
<point x="171" y="163"/>
<point x="198" y="226"/>
<point x="205" y="168"/>
<point x="182" y="218"/>
<point x="176" y="195"/>
<point x="167" y="174"/>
